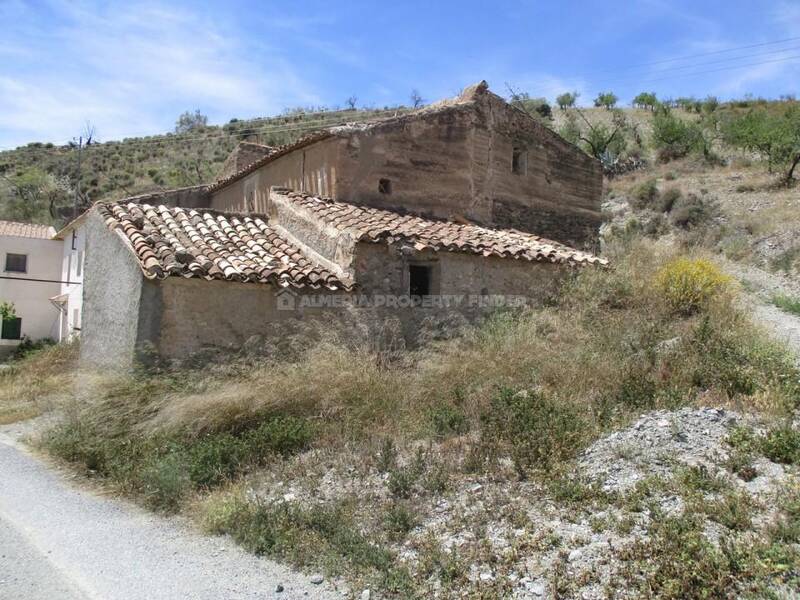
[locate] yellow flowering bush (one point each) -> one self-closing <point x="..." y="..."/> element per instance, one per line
<point x="688" y="284"/>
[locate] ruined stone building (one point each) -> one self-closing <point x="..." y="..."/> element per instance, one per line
<point x="474" y="158"/>
<point x="462" y="200"/>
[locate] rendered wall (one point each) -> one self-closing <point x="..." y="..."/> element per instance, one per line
<point x="72" y="270"/>
<point x="112" y="294"/>
<point x="29" y="294"/>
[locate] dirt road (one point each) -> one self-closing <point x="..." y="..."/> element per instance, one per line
<point x="58" y="541"/>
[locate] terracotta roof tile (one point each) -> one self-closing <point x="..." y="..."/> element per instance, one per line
<point x="211" y="245"/>
<point x="375" y="225"/>
<point x="27" y="230"/>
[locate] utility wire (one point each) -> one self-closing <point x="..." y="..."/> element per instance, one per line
<point x="713" y="52"/>
<point x="627" y="79"/>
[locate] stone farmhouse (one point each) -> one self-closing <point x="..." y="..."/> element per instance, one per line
<point x="406" y="219"/>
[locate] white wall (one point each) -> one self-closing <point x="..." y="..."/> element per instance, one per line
<point x="31" y="299"/>
<point x="72" y="263"/>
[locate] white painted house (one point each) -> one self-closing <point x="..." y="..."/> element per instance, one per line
<point x="30" y="259"/>
<point x="70" y="299"/>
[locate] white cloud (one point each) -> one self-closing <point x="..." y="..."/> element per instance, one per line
<point x="128" y="68"/>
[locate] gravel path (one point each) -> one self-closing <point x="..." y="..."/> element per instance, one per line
<point x="763" y="286"/>
<point x="58" y="541"/>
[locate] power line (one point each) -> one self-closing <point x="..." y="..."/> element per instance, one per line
<point x="627" y="78"/>
<point x="725" y="60"/>
<point x="713" y="52"/>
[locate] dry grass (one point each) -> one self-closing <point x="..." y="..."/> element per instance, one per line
<point x="31" y="385"/>
<point x="599" y="344"/>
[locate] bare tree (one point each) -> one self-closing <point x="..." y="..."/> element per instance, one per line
<point x="416" y="98"/>
<point x="351" y="102"/>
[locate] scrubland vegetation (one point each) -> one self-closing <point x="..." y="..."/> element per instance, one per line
<point x="514" y="400"/>
<point x="461" y="466"/>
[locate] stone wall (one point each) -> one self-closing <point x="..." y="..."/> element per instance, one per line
<point x="453" y="162"/>
<point x="195" y="196"/>
<point x="245" y="154"/>
<point x="311" y="168"/>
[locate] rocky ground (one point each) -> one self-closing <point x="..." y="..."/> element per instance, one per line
<point x="520" y="539"/>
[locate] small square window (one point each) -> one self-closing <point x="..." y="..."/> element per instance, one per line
<point x="385" y="186"/>
<point x="16" y="263"/>
<point x="519" y="160"/>
<point x="12" y="329"/>
<point x="419" y="280"/>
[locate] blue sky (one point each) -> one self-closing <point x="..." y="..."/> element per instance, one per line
<point x="131" y="67"/>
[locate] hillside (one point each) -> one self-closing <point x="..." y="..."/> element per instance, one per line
<point x="635" y="437"/>
<point x="38" y="181"/>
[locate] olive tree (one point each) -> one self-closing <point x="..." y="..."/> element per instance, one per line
<point x="646" y="100"/>
<point x="773" y="135"/>
<point x="567" y="100"/>
<point x="606" y="99"/>
<point x="189" y="121"/>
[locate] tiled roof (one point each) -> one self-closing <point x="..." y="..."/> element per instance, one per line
<point x="27" y="230"/>
<point x="375" y="225"/>
<point x="212" y="245"/>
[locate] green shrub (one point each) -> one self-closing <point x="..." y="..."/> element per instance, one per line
<point x="448" y="420"/>
<point x="401" y="481"/>
<point x="215" y="459"/>
<point x="688" y="284"/>
<point x="668" y="199"/>
<point x="165" y="482"/>
<point x="645" y="194"/>
<point x="691" y="211"/>
<point x="279" y="435"/>
<point x="399" y="519"/>
<point x="782" y="445"/>
<point x="675" y="138"/>
<point x="537" y="432"/>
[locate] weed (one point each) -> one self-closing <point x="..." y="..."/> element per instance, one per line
<point x="782" y="445"/>
<point x="733" y="510"/>
<point x="437" y="479"/>
<point x="787" y="304"/>
<point x="645" y="194"/>
<point x="387" y="455"/>
<point x="399" y="519"/>
<point x="698" y="478"/>
<point x="447" y="420"/>
<point x="668" y="199"/>
<point x="677" y="561"/>
<point x="536" y="431"/>
<point x="740" y="463"/>
<point x="401" y="481"/>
